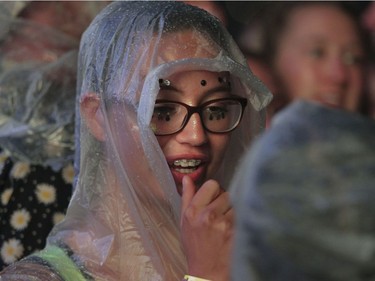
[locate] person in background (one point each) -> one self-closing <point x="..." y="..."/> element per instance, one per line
<point x="247" y="27"/>
<point x="215" y="8"/>
<point x="368" y="22"/>
<point x="303" y="198"/>
<point x="310" y="50"/>
<point x="38" y="56"/>
<point x="167" y="108"/>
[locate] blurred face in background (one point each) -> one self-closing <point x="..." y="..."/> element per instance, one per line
<point x="212" y="7"/>
<point x="368" y="22"/>
<point x="49" y="29"/>
<point x="368" y="18"/>
<point x="319" y="57"/>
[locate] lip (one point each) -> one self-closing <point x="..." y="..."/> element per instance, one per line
<point x="197" y="175"/>
<point x="330" y="100"/>
<point x="329" y="104"/>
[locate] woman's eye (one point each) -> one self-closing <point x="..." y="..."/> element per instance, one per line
<point x="216" y="112"/>
<point x="350" y="58"/>
<point x="164" y="113"/>
<point x="317" y="53"/>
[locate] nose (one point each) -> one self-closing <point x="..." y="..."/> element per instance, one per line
<point x="194" y="132"/>
<point x="337" y="71"/>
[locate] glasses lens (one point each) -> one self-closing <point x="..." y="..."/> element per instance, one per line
<point x="222" y="116"/>
<point x="167" y="118"/>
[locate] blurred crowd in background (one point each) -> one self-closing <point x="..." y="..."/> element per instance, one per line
<point x="38" y="59"/>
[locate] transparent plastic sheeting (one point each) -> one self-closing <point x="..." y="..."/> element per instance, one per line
<point x="37" y="92"/>
<point x="123" y="220"/>
<point x="304" y="199"/>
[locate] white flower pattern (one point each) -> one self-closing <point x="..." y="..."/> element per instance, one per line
<point x="30" y="193"/>
<point x="58" y="217"/>
<point x="5" y="196"/>
<point x="3" y="157"/>
<point x="20" y="170"/>
<point x="68" y="173"/>
<point x="45" y="193"/>
<point x="20" y="219"/>
<point x="11" y="251"/>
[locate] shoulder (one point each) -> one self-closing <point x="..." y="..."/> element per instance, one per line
<point x="29" y="270"/>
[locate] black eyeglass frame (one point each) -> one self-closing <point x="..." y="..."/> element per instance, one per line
<point x="198" y="109"/>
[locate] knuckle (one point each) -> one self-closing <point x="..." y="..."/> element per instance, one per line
<point x="190" y="214"/>
<point x="209" y="217"/>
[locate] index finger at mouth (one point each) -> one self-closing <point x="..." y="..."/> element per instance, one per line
<point x="207" y="193"/>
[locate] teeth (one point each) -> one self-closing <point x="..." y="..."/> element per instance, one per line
<point x="331" y="98"/>
<point x="185" y="170"/>
<point x="187" y="163"/>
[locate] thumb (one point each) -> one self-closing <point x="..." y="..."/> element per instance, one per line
<point x="188" y="191"/>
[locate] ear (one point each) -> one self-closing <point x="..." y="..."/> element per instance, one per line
<point x="90" y="111"/>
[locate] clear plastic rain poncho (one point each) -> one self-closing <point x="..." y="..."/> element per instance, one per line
<point x="37" y="89"/>
<point x="123" y="220"/>
<point x="304" y="199"/>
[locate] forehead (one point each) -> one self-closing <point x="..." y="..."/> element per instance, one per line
<point x="196" y="84"/>
<point x="186" y="44"/>
<point x="199" y="75"/>
<point x="175" y="46"/>
<point x="321" y="21"/>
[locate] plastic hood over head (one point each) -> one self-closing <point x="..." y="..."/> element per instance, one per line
<point x="123" y="220"/>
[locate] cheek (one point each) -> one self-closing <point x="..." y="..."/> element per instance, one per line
<point x="296" y="73"/>
<point x="287" y="66"/>
<point x="219" y="144"/>
<point x="356" y="80"/>
<point x="355" y="90"/>
<point x="163" y="142"/>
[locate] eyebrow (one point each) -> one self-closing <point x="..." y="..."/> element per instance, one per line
<point x="320" y="39"/>
<point x="169" y="88"/>
<point x="221" y="88"/>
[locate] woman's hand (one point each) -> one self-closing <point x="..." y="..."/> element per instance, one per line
<point x="207" y="229"/>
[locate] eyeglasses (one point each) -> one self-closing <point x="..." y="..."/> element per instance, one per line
<point x="217" y="116"/>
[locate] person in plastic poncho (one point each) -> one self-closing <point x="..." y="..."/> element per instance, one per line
<point x="304" y="199"/>
<point x="163" y="88"/>
<point x="39" y="43"/>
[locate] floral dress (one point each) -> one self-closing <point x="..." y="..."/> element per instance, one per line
<point x="33" y="199"/>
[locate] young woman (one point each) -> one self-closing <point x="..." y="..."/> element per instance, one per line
<point x="309" y="50"/>
<point x="167" y="108"/>
<point x="322" y="59"/>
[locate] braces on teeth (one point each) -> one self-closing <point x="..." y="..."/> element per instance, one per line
<point x="187" y="163"/>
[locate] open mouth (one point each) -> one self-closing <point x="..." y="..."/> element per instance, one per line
<point x="186" y="166"/>
<point x="331" y="100"/>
